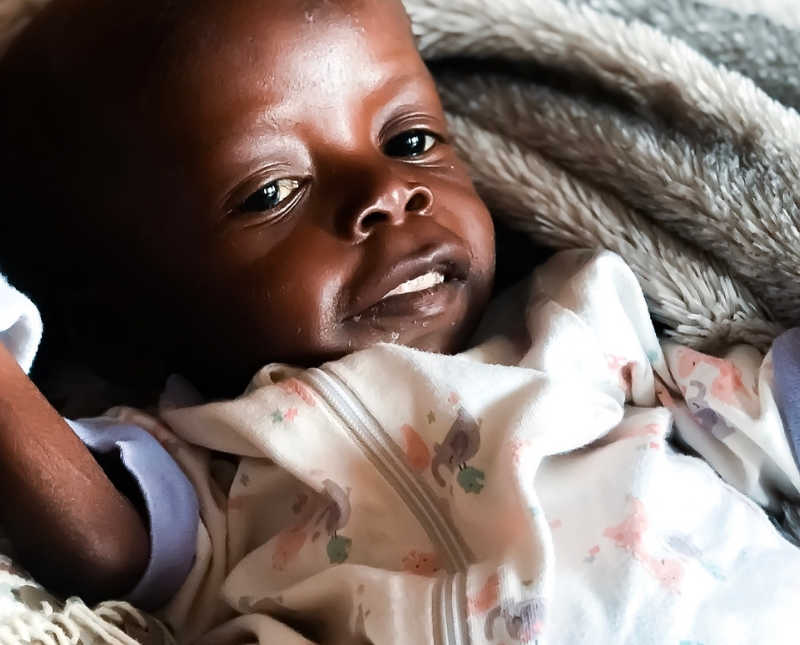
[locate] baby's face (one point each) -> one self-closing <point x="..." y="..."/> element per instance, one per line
<point x="306" y="201"/>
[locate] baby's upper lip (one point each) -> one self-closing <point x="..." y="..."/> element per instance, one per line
<point x="448" y="258"/>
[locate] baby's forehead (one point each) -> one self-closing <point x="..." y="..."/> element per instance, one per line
<point x="292" y="55"/>
<point x="206" y="27"/>
<point x="128" y="38"/>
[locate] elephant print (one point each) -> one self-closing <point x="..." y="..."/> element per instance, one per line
<point x="331" y="515"/>
<point x="726" y="386"/>
<point x="459" y="446"/>
<point x="630" y="535"/>
<point x="523" y="620"/>
<point x="336" y="515"/>
<point x="702" y="412"/>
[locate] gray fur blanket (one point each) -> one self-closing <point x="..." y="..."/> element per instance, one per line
<point x="664" y="130"/>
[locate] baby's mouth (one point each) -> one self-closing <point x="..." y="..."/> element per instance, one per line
<point x="428" y="280"/>
<point x="415" y="301"/>
<point x="413" y="289"/>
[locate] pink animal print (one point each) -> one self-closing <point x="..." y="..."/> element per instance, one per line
<point x="288" y="545"/>
<point x="298" y="388"/>
<point x="421" y="564"/>
<point x="486" y="598"/>
<point x="629" y="535"/>
<point x="417" y="453"/>
<point x="623" y="368"/>
<point x="728" y="382"/>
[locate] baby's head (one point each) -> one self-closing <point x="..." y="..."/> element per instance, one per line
<point x="236" y="183"/>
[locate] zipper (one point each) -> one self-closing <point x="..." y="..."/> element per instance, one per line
<point x="449" y="593"/>
<point x="379" y="448"/>
<point x="450" y="611"/>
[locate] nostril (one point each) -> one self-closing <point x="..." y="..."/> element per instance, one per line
<point x="374" y="218"/>
<point x="417" y="203"/>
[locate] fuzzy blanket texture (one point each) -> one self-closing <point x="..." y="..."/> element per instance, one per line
<point x="664" y="130"/>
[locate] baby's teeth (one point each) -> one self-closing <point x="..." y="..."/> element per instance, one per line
<point x="430" y="279"/>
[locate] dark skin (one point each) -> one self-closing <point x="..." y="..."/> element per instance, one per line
<point x="266" y="190"/>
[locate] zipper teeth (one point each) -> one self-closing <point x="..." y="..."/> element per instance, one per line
<point x="345" y="405"/>
<point x="394" y="457"/>
<point x="460" y="607"/>
<point x="450" y="619"/>
<point x="447" y="610"/>
<point x="452" y="610"/>
<point x="437" y="613"/>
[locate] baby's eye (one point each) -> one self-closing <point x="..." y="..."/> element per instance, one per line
<point x="410" y="144"/>
<point x="269" y="196"/>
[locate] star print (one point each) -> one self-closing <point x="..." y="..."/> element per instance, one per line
<point x="277" y="417"/>
<point x="431" y="417"/>
<point x="245" y="479"/>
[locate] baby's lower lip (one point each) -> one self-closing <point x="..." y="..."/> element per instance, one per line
<point x="415" y="307"/>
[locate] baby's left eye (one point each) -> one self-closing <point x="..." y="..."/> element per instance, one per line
<point x="270" y="196"/>
<point x="410" y="144"/>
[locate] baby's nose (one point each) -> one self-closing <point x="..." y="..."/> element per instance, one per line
<point x="391" y="207"/>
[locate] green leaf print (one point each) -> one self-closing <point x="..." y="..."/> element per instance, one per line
<point x="339" y="549"/>
<point x="471" y="479"/>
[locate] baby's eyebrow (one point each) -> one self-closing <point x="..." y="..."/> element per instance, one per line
<point x="401" y="93"/>
<point x="395" y="84"/>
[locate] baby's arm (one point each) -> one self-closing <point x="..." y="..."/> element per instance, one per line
<point x="71" y="527"/>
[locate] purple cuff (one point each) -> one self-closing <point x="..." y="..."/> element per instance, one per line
<point x="169" y="498"/>
<point x="786" y="360"/>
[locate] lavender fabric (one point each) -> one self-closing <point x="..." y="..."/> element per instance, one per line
<point x="169" y="498"/>
<point x="786" y="360"/>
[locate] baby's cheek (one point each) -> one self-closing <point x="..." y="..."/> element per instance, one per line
<point x="293" y="299"/>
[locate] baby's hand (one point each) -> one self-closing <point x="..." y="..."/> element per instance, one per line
<point x="69" y="526"/>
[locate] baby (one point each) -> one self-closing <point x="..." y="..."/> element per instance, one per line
<point x="206" y="187"/>
<point x="293" y="197"/>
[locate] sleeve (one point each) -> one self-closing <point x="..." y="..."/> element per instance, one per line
<point x="20" y="325"/>
<point x="786" y="362"/>
<point x="169" y="500"/>
<point x="167" y="496"/>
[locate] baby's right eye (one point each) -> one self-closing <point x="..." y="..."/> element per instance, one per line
<point x="413" y="143"/>
<point x="269" y="196"/>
